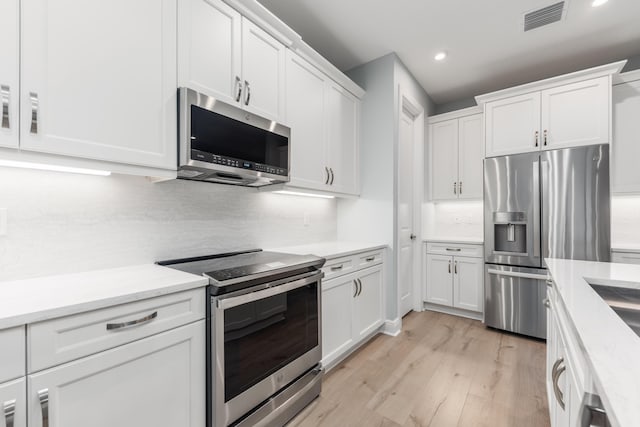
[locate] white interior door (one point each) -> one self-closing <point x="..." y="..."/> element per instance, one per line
<point x="406" y="236"/>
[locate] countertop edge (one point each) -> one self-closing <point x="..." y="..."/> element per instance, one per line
<point x="61" y="309"/>
<point x="328" y="249"/>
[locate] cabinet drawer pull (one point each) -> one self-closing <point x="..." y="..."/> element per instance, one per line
<point x="331" y="170"/>
<point x="460" y="187"/>
<point x="239" y="88"/>
<point x="337" y="267"/>
<point x="455" y="267"/>
<point x="326" y="181"/>
<point x="43" y="397"/>
<point x="545" y="137"/>
<point x="546" y="302"/>
<point x="454" y="249"/>
<point x="449" y="267"/>
<point x="537" y="134"/>
<point x="248" y="92"/>
<point x="359" y="286"/>
<point x="549" y="283"/>
<point x="35" y="104"/>
<point x="556" y="389"/>
<point x="455" y="187"/>
<point x="114" y="326"/>
<point x="5" y="91"/>
<point x="371" y="258"/>
<point x="9" y="409"/>
<point x="355" y="290"/>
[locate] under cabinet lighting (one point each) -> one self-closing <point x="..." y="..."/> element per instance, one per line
<point x="597" y="3"/>
<point x="296" y="193"/>
<point x="42" y="166"/>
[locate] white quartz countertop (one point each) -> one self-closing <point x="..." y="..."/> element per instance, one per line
<point x="330" y="249"/>
<point x="34" y="300"/>
<point x="450" y="239"/>
<point x="611" y="348"/>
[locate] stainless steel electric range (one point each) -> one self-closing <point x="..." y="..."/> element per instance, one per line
<point x="263" y="335"/>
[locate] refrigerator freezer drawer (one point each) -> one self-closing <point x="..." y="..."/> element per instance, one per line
<point x="514" y="299"/>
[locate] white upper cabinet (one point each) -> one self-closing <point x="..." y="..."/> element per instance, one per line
<point x="99" y="80"/>
<point x="576" y="114"/>
<point x="9" y="72"/>
<point x="324" y="120"/>
<point x="625" y="174"/>
<point x="560" y="112"/>
<point x="470" y="157"/>
<point x="444" y="160"/>
<point x="263" y="72"/>
<point x="456" y="156"/>
<point x="224" y="55"/>
<point x="513" y="125"/>
<point x="307" y="118"/>
<point x="209" y="48"/>
<point x="342" y="144"/>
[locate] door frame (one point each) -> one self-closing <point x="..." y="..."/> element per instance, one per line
<point x="407" y="103"/>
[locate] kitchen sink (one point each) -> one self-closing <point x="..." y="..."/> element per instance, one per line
<point x="624" y="301"/>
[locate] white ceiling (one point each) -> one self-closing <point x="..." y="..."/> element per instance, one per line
<point x="487" y="47"/>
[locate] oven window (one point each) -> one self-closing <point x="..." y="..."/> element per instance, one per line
<point x="263" y="336"/>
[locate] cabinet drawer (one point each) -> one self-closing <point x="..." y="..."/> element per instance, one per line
<point x="368" y="259"/>
<point x="625" y="257"/>
<point x="337" y="267"/>
<point x="455" y="249"/>
<point x="12" y="354"/>
<point x="61" y="340"/>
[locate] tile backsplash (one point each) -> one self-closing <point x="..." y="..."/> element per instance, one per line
<point x="625" y="221"/>
<point x="459" y="219"/>
<point x="62" y="223"/>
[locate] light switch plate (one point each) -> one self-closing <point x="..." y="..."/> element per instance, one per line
<point x="3" y="221"/>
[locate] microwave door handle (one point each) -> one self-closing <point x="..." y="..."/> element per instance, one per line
<point x="536" y="209"/>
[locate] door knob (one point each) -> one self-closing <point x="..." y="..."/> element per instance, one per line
<point x="412" y="237"/>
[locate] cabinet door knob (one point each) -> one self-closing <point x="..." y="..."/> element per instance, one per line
<point x="35" y="105"/>
<point x="5" y="91"/>
<point x="43" y="397"/>
<point x="248" y="92"/>
<point x="9" y="409"/>
<point x="238" y="89"/>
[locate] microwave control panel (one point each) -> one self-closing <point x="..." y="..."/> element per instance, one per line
<point x="236" y="163"/>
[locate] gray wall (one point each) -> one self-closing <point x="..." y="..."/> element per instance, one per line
<point x="63" y="223"/>
<point x="632" y="64"/>
<point x="372" y="216"/>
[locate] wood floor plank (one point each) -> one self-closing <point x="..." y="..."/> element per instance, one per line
<point x="441" y="370"/>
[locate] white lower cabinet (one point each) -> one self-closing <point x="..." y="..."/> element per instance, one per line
<point x="13" y="405"/>
<point x="156" y="381"/>
<point x="452" y="280"/>
<point x="352" y="309"/>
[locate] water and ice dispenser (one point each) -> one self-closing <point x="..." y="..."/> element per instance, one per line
<point x="510" y="233"/>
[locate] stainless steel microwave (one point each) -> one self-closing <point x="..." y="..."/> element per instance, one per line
<point x="223" y="143"/>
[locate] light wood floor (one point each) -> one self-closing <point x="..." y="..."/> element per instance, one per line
<point x="441" y="371"/>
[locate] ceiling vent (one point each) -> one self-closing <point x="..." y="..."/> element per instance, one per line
<point x="545" y="16"/>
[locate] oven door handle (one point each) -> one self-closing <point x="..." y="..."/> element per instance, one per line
<point x="231" y="302"/>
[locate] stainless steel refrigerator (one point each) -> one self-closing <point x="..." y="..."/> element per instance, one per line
<point x="550" y="204"/>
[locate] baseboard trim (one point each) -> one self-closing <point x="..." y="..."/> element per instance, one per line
<point x="392" y="327"/>
<point x="454" y="311"/>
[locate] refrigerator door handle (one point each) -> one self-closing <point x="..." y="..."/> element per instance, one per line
<point x="544" y="185"/>
<point x="517" y="274"/>
<point x="536" y="209"/>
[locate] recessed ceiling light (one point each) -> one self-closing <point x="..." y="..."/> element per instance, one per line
<point x="597" y="3"/>
<point x="441" y="55"/>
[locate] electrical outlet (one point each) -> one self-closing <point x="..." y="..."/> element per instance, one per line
<point x="3" y="221"/>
